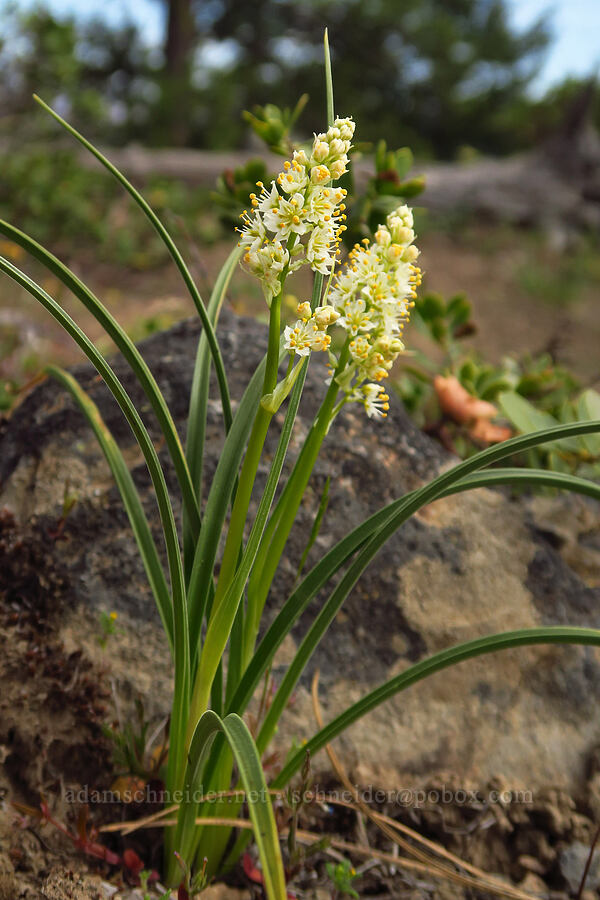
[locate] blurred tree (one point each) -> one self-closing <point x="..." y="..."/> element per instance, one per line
<point x="178" y="56"/>
<point x="436" y="74"/>
<point x="101" y="75"/>
<point x="433" y="73"/>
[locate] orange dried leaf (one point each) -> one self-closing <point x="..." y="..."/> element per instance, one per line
<point x="458" y="404"/>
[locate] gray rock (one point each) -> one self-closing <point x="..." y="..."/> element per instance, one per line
<point x="465" y="566"/>
<point x="572" y="861"/>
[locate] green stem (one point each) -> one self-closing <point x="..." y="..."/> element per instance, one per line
<point x="284" y="514"/>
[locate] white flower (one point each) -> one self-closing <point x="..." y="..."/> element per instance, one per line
<point x="253" y="233"/>
<point x="305" y="336"/>
<point x="269" y="200"/>
<point x="321" y="203"/>
<point x="356" y="317"/>
<point x="293" y="179"/>
<point x="287" y="216"/>
<point x="298" y="218"/>
<point x="268" y="263"/>
<point x="374" y="294"/>
<point x="375" y="400"/>
<point x="320" y="250"/>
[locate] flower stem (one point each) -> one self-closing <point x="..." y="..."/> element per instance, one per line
<point x="284" y="514"/>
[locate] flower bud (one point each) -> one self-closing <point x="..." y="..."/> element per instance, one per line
<point x="384" y="344"/>
<point x="301" y="157"/>
<point x="337" y="148"/>
<point x="346" y="128"/>
<point x="320" y="151"/>
<point x="326" y="316"/>
<point x="338" y="168"/>
<point x="410" y="254"/>
<point x="383" y="237"/>
<point x="304" y="311"/>
<point x="404" y="235"/>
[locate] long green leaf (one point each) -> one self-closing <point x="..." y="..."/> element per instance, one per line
<point x="129" y="494"/>
<point x="257" y="795"/>
<point x="131" y="354"/>
<point x="442" y="660"/>
<point x="328" y="80"/>
<point x="406" y="507"/>
<point x="318" y="577"/>
<point x="259" y="805"/>
<point x="200" y="382"/>
<point x="171" y="247"/>
<point x="180" y="627"/>
<point x="525" y="478"/>
<point x="196" y="425"/>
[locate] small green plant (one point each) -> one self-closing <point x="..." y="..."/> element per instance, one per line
<point x="210" y="602"/>
<point x="342" y="875"/>
<point x="133" y="751"/>
<point x="108" y="627"/>
<point x="529" y="393"/>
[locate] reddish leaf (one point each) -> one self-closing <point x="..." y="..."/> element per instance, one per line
<point x="132" y="862"/>
<point x="250" y="869"/>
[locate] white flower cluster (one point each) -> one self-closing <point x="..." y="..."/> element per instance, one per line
<point x="298" y="220"/>
<point x="373" y="295"/>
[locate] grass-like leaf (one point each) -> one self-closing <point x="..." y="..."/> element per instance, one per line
<point x="252" y="778"/>
<point x="196" y="426"/>
<point x="131" y="354"/>
<point x="404" y="509"/>
<point x="180" y="631"/>
<point x="173" y="251"/>
<point x="442" y="660"/>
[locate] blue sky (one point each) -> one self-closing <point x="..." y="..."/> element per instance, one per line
<point x="575" y="23"/>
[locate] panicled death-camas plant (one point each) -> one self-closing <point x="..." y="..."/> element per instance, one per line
<point x="360" y="306"/>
